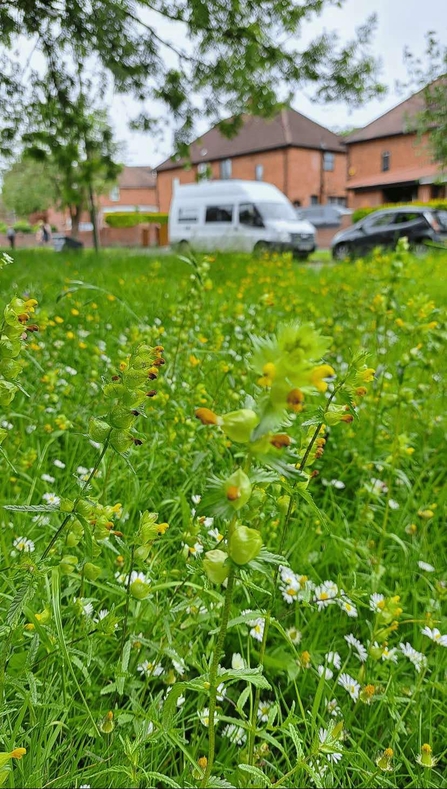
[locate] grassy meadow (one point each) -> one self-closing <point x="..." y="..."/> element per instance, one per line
<point x="222" y="551"/>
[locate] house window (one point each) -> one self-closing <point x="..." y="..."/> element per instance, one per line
<point x="114" y="194"/>
<point x="328" y="161"/>
<point x="337" y="201"/>
<point x="385" y="161"/>
<point x="259" y="172"/>
<point x="314" y="200"/>
<point x="203" y="171"/>
<point x="225" y="169"/>
<point x="219" y="213"/>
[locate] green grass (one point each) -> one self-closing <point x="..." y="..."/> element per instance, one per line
<point x="371" y="511"/>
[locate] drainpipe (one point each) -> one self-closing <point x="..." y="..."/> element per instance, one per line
<point x="286" y="171"/>
<point x="321" y="196"/>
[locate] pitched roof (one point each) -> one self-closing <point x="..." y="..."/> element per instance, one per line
<point x="393" y="122"/>
<point x="137" y="178"/>
<point x="427" y="174"/>
<point x="287" y="129"/>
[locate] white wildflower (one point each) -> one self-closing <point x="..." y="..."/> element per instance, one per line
<point x="427" y="567"/>
<point x="325" y="594"/>
<point x="58" y="463"/>
<point x="150" y="669"/>
<point x="376" y="602"/>
<point x="236" y="734"/>
<point x="52" y="499"/>
<point x="417" y="658"/>
<point x="257" y="631"/>
<point x="23" y="544"/>
<point x="294" y="635"/>
<point x="389" y="654"/>
<point x="325" y="671"/>
<point x="353" y="642"/>
<point x="350" y="685"/>
<point x="237" y="661"/>
<point x="435" y="635"/>
<point x="263" y="710"/>
<point x="204" y="716"/>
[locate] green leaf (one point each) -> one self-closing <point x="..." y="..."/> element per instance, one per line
<point x="252" y="675"/>
<point x="170" y="705"/>
<point x="31" y="508"/>
<point x="261" y="778"/>
<point x="296" y="742"/>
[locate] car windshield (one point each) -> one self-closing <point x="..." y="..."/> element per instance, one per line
<point x="441" y="216"/>
<point x="276" y="211"/>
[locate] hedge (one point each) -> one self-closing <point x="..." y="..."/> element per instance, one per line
<point x="126" y="219"/>
<point x="360" y="213"/>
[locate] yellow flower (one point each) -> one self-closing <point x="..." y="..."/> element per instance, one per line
<point x="70" y="335"/>
<point x="318" y="374"/>
<point x="111" y="297"/>
<point x="206" y="416"/>
<point x="193" y="360"/>
<point x="425" y="758"/>
<point x="58" y="319"/>
<point x="74" y="311"/>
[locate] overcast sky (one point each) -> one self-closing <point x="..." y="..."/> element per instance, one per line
<point x="400" y="23"/>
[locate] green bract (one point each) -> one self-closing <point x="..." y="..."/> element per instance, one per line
<point x="214" y="566"/>
<point x="245" y="544"/>
<point x="239" y="425"/>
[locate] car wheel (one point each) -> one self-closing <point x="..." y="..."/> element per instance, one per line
<point x="301" y="255"/>
<point x="261" y="248"/>
<point x="341" y="252"/>
<point x="419" y="248"/>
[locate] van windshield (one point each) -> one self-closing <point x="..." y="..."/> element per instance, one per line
<point x="276" y="211"/>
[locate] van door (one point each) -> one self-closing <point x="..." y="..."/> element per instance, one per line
<point x="249" y="227"/>
<point x="217" y="230"/>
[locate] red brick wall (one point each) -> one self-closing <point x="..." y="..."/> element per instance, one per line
<point x="295" y="171"/>
<point x="365" y="160"/>
<point x="134" y="197"/>
<point x="109" y="236"/>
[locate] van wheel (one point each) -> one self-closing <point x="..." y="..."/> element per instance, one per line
<point x="261" y="248"/>
<point x="341" y="252"/>
<point x="419" y="248"/>
<point x="183" y="247"/>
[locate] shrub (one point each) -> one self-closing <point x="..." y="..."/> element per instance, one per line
<point x="22" y="226"/>
<point x="360" y="213"/>
<point x="132" y="219"/>
<point x="3" y="227"/>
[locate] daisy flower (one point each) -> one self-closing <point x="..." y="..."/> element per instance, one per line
<point x="237" y="661"/>
<point x="236" y="734"/>
<point x="48" y="478"/>
<point x="347" y="606"/>
<point x="325" y="594"/>
<point x="417" y="658"/>
<point x="150" y="669"/>
<point x="376" y="602"/>
<point x="52" y="499"/>
<point x="435" y="635"/>
<point x="257" y="631"/>
<point x="325" y="671"/>
<point x="327" y="741"/>
<point x="350" y="685"/>
<point x="204" y="716"/>
<point x="389" y="654"/>
<point x="353" y="642"/>
<point x="23" y="544"/>
<point x="263" y="710"/>
<point x="334" y="659"/>
<point x="294" y="635"/>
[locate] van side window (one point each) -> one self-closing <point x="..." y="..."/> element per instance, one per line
<point x="249" y="215"/>
<point x="187" y="215"/>
<point x="219" y="213"/>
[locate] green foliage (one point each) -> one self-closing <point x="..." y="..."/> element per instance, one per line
<point x="28" y="188"/>
<point x="23" y="226"/>
<point x="360" y="213"/>
<point x="235" y="62"/>
<point x="3" y="227"/>
<point x="114" y="576"/>
<point x="134" y="218"/>
<point x="430" y="74"/>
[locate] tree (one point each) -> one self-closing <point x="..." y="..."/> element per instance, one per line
<point x="238" y="53"/>
<point x="430" y="75"/>
<point x="69" y="134"/>
<point x="28" y="188"/>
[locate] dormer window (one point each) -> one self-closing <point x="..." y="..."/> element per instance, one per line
<point x="385" y="161"/>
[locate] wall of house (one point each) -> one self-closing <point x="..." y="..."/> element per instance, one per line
<point x="140" y="236"/>
<point x="365" y="158"/>
<point x="295" y="171"/>
<point x="133" y="197"/>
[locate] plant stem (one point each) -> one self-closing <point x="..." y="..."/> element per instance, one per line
<point x="77" y="499"/>
<point x="213" y="675"/>
<point x="268" y="616"/>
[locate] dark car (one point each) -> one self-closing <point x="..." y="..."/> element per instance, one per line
<point x="323" y="215"/>
<point x="384" y="228"/>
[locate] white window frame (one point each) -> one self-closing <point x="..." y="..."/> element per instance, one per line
<point x="225" y="169"/>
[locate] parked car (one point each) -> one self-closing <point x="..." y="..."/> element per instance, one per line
<point x="384" y="228"/>
<point x="237" y="215"/>
<point x="323" y="215"/>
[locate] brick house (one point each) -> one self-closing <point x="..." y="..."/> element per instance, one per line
<point x="303" y="159"/>
<point x="135" y="190"/>
<point x="388" y="163"/>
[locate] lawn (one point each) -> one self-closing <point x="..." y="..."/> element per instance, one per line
<point x="222" y="551"/>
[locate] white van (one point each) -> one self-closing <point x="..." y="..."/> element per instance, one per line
<point x="237" y="215"/>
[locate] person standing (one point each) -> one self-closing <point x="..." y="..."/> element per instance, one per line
<point x="39" y="234"/>
<point x="46" y="233"/>
<point x="11" y="236"/>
